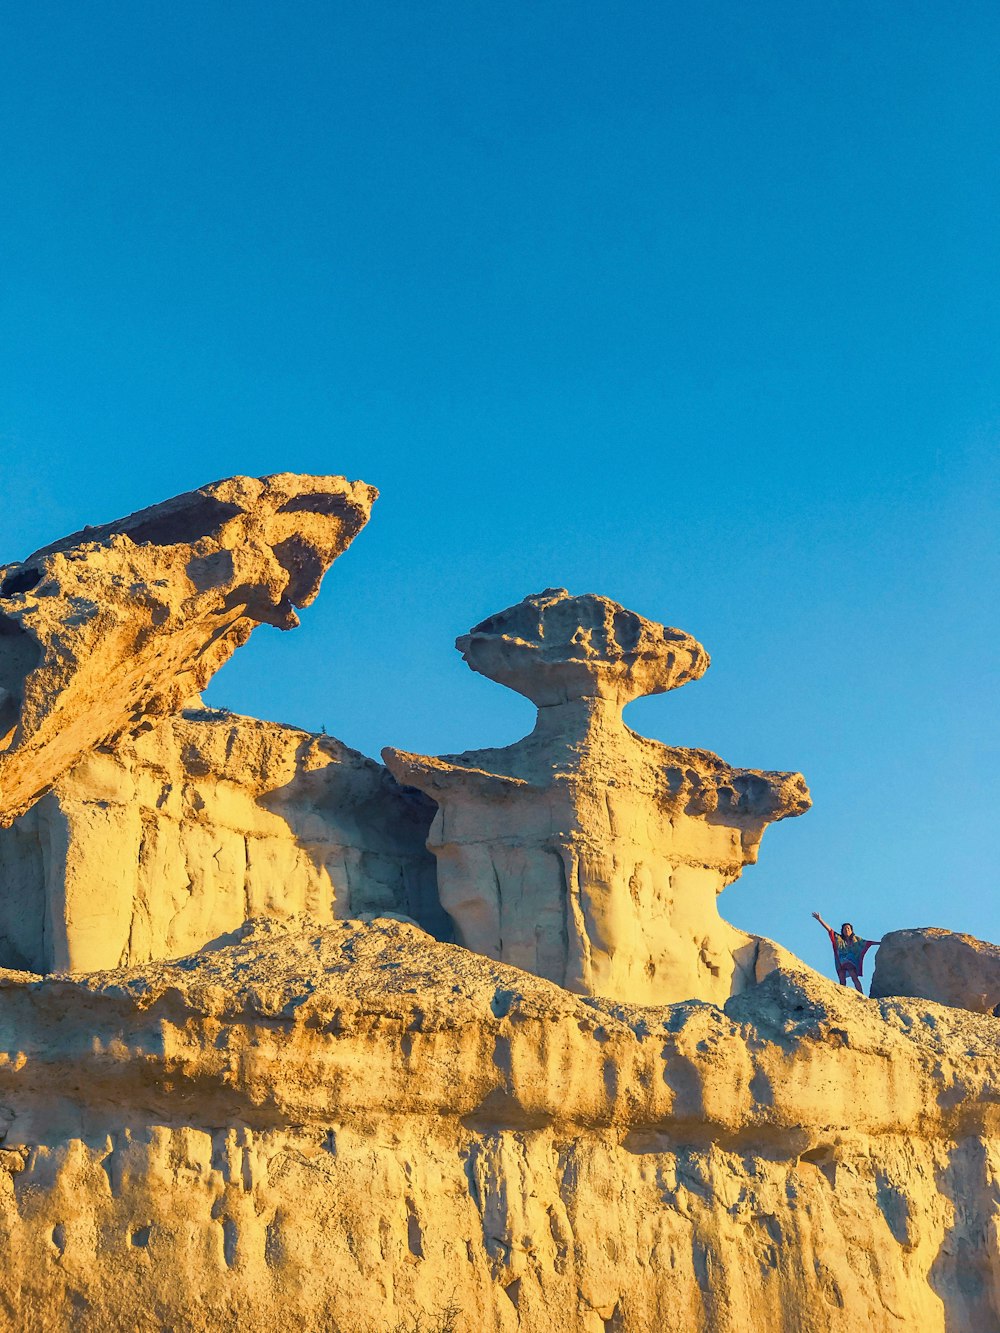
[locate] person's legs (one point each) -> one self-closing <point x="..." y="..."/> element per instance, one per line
<point x="852" y="973"/>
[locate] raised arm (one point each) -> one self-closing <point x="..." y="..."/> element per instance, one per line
<point x="827" y="928"/>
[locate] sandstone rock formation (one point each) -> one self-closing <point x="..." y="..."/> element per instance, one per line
<point x="170" y="840"/>
<point x="585" y="853"/>
<point x="939" y="965"/>
<point x="354" y="1127"/>
<point x="347" y="1126"/>
<point x="119" y="625"/>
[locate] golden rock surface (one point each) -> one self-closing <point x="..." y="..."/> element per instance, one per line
<point x="170" y="840"/>
<point x="109" y="629"/>
<point x="353" y="1127"/>
<point x="323" y="1125"/>
<point x="939" y="965"/>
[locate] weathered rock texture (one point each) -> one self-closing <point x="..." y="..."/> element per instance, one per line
<point x="939" y="965"/>
<point x="352" y="1127"/>
<point x="175" y="838"/>
<point x="585" y="853"/>
<point x="114" y="627"/>
<point x="345" y="1126"/>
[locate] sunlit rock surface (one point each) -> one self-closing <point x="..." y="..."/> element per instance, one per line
<point x="352" y="1127"/>
<point x="585" y="853"/>
<point x="111" y="628"/>
<point x="174" y="838"/>
<point x="940" y="965"/>
<point x="329" y="1120"/>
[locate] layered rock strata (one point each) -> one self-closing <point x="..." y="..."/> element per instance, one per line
<point x="174" y="838"/>
<point x="354" y="1129"/>
<point x="114" y="627"/>
<point x="939" y="965"/>
<point x="585" y="853"/>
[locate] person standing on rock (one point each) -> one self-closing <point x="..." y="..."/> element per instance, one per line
<point x="848" y="951"/>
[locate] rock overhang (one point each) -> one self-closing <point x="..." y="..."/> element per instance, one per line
<point x="106" y="630"/>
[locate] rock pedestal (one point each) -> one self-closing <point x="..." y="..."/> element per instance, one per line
<point x="585" y="853"/>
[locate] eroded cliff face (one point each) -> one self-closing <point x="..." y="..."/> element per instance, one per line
<point x="172" y="839"/>
<point x="352" y="1126"/>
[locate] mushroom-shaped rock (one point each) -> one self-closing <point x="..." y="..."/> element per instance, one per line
<point x="584" y="852"/>
<point x="116" y="626"/>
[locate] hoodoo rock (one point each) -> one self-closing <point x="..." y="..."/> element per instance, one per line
<point x="585" y="853"/>
<point x="939" y="965"/>
<point x="111" y="628"/>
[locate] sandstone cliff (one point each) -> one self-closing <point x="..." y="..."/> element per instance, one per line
<point x="353" y="1127"/>
<point x="138" y="829"/>
<point x="170" y="840"/>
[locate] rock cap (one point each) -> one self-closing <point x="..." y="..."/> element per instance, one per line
<point x="553" y="647"/>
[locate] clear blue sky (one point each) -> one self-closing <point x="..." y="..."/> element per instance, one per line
<point x="696" y="306"/>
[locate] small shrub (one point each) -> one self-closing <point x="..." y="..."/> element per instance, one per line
<point x="446" y="1320"/>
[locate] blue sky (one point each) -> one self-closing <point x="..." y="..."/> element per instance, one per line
<point x="694" y="306"/>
